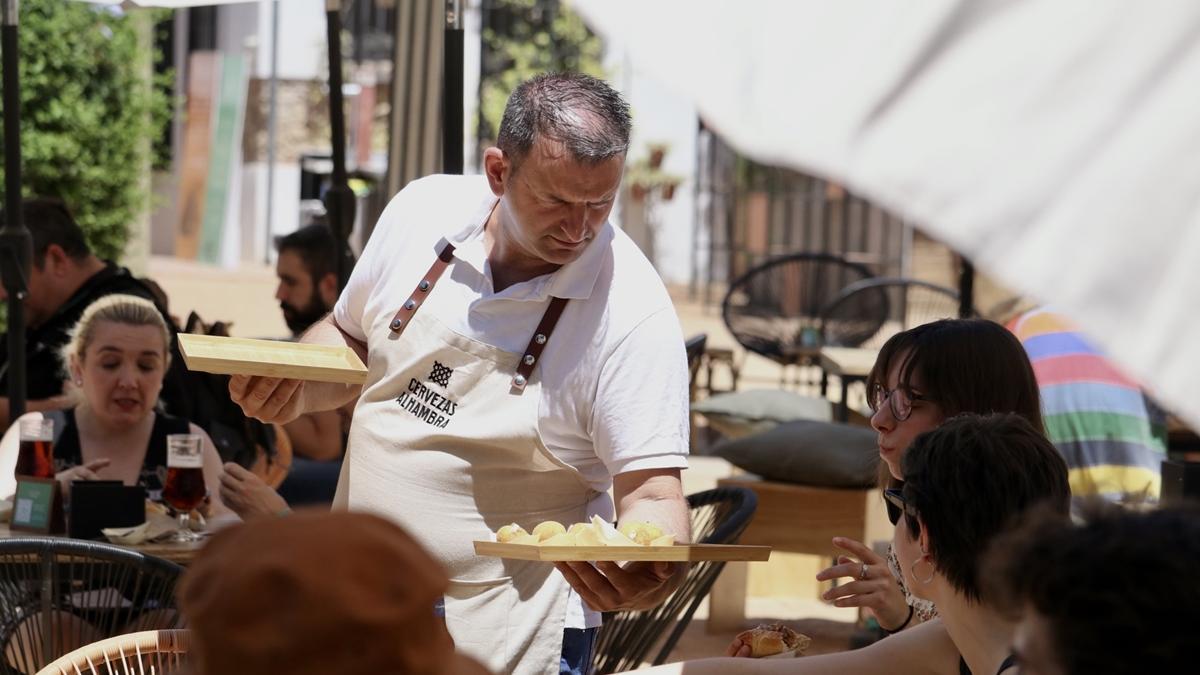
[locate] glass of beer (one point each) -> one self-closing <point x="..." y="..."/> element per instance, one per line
<point x="36" y="455"/>
<point x="185" y="489"/>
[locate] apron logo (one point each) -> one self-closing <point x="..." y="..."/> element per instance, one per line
<point x="440" y="374"/>
<point x="426" y="404"/>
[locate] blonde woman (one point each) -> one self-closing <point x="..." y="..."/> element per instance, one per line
<point x="115" y="361"/>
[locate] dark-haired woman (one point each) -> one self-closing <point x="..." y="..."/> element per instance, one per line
<point x="964" y="483"/>
<point x="921" y="377"/>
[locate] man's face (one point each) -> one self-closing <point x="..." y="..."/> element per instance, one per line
<point x="556" y="205"/>
<point x="298" y="295"/>
<point x="1033" y="644"/>
<point x="40" y="302"/>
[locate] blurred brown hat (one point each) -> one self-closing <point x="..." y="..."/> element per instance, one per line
<point x="317" y="593"/>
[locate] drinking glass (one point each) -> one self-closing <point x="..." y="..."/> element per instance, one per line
<point x="184" y="489"/>
<point x="36" y="454"/>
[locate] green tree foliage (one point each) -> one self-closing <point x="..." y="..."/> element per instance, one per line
<point x="88" y="117"/>
<point x="522" y="38"/>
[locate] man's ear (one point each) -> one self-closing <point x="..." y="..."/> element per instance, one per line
<point x="498" y="169"/>
<point x="328" y="288"/>
<point x="55" y="261"/>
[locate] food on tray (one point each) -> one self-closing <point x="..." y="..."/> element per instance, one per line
<point x="548" y="529"/>
<point x="774" y="639"/>
<point x="509" y="532"/>
<point x="642" y="533"/>
<point x="598" y="532"/>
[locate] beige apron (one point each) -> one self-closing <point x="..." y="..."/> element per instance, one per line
<point x="446" y="443"/>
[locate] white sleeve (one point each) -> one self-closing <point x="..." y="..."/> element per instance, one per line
<point x="640" y="413"/>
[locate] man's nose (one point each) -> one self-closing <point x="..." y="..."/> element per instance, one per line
<point x="576" y="226"/>
<point x="279" y="293"/>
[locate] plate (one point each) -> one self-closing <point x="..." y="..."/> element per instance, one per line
<point x="271" y="358"/>
<point x="676" y="553"/>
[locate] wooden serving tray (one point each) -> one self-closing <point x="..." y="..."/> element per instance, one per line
<point x="676" y="553"/>
<point x="271" y="358"/>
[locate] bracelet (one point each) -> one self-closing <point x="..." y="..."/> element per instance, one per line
<point x="901" y="626"/>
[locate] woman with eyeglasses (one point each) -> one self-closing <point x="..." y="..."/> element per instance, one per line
<point x="922" y="377"/>
<point x="965" y="482"/>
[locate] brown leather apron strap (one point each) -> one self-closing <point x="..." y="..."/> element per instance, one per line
<point x="410" y="306"/>
<point x="537" y="343"/>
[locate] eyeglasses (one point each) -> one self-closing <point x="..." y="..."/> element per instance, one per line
<point x="896" y="505"/>
<point x="900" y="400"/>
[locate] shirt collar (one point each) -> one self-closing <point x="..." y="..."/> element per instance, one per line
<point x="574" y="281"/>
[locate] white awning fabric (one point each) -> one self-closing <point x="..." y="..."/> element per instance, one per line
<point x="1054" y="142"/>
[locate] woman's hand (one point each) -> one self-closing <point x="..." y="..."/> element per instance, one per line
<point x="873" y="587"/>
<point x="247" y="495"/>
<point x="81" y="472"/>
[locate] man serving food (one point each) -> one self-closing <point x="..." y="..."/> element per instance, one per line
<point x="523" y="358"/>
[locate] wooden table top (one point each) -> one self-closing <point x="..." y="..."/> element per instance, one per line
<point x="179" y="553"/>
<point x="848" y="361"/>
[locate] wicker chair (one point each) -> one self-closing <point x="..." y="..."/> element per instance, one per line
<point x="867" y="313"/>
<point x="58" y="594"/>
<point x="718" y="517"/>
<point x="152" y="651"/>
<point x="774" y="309"/>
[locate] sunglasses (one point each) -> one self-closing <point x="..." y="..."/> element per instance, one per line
<point x="900" y="400"/>
<point x="896" y="505"/>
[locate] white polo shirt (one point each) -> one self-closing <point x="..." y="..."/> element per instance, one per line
<point x="614" y="395"/>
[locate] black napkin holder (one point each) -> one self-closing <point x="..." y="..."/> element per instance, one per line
<point x="97" y="504"/>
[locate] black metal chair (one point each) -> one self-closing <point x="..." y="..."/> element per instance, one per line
<point x="867" y="313"/>
<point x="774" y="309"/>
<point x="719" y="516"/>
<point x="59" y="594"/>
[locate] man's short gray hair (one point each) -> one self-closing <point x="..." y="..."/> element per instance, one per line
<point x="583" y="113"/>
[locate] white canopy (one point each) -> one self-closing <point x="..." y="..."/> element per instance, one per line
<point x="1054" y="142"/>
<point x="169" y="4"/>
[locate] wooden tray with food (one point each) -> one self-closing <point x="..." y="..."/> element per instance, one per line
<point x="271" y="358"/>
<point x="600" y="541"/>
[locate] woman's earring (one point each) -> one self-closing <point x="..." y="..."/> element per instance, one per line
<point x="79" y="382"/>
<point x="932" y="570"/>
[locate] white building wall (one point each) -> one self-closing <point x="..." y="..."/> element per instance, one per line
<point x="302" y="51"/>
<point x="661" y="116"/>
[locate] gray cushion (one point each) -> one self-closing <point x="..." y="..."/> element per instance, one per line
<point x="742" y="413"/>
<point x="824" y="454"/>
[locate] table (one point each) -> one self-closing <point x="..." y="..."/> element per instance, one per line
<point x="850" y="365"/>
<point x="178" y="553"/>
<point x="795" y="519"/>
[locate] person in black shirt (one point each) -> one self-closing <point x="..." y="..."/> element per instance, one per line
<point x="65" y="278"/>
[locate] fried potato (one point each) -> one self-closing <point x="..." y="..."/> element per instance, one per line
<point x="508" y="533"/>
<point x="598" y="532"/>
<point x="546" y="530"/>
<point x="665" y="540"/>
<point x="560" y="539"/>
<point x="641" y="532"/>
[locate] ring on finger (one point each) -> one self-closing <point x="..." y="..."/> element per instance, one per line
<point x="863" y="574"/>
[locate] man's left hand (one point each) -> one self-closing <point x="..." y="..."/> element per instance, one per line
<point x="608" y="587"/>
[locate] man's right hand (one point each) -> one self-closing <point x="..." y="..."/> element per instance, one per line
<point x="270" y="399"/>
